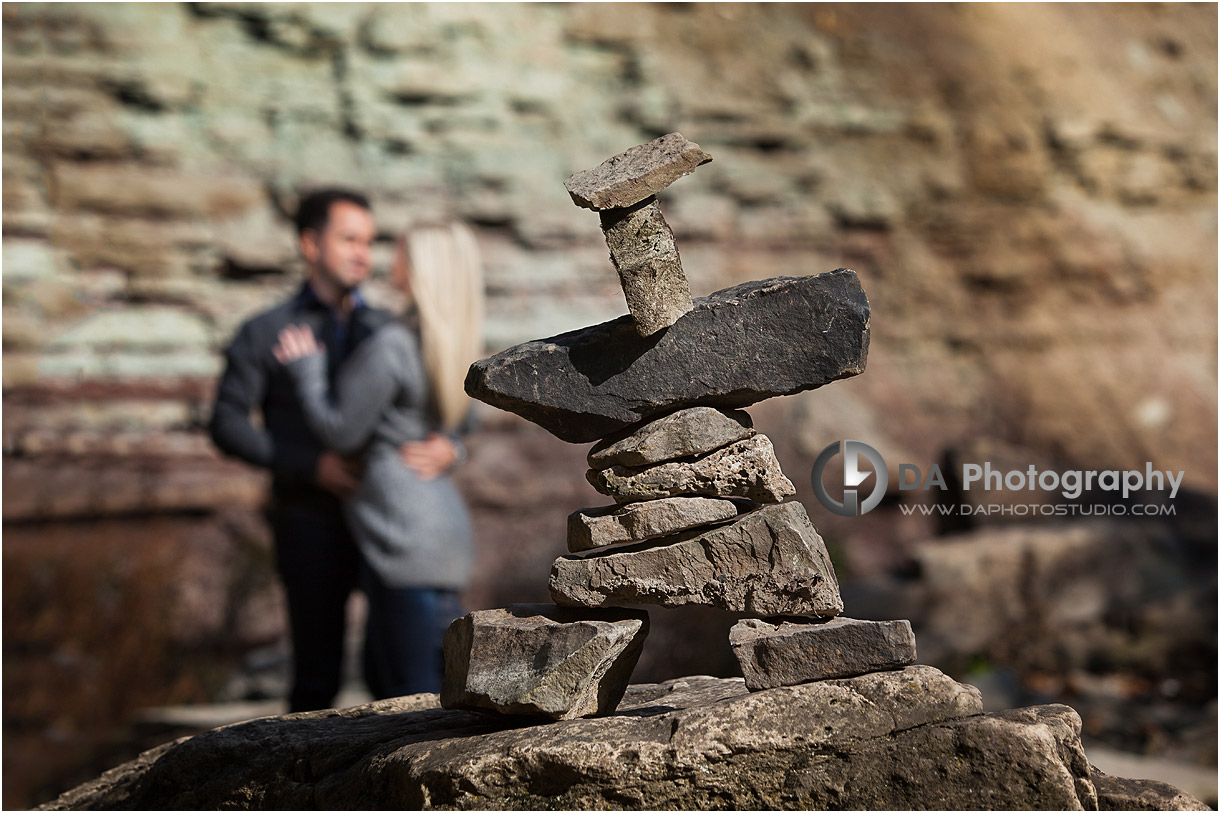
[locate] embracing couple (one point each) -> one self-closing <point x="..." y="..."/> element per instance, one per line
<point x="360" y="417"/>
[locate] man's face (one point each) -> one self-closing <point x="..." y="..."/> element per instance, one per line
<point x="342" y="252"/>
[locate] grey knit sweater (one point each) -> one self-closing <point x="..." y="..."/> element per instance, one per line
<point x="412" y="532"/>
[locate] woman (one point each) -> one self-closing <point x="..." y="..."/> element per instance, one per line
<point x="403" y="385"/>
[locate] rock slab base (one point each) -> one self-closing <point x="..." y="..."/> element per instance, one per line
<point x="903" y="740"/>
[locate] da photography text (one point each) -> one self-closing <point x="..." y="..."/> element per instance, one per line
<point x="860" y="495"/>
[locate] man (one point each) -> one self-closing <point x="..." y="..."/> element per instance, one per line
<point x="316" y="556"/>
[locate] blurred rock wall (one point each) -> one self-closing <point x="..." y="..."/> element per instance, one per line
<point x="1028" y="192"/>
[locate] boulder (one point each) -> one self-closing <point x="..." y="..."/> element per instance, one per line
<point x="768" y="562"/>
<point x="684" y="433"/>
<point x="643" y="251"/>
<point x="908" y="739"/>
<point x="1062" y="593"/>
<point x="636" y="174"/>
<point x="736" y="347"/>
<point x="787" y="653"/>
<point x="747" y="468"/>
<point x="1116" y="793"/>
<point x="639" y="521"/>
<point x="1027" y="759"/>
<point x="538" y="659"/>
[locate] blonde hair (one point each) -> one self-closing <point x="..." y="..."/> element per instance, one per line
<point x="446" y="283"/>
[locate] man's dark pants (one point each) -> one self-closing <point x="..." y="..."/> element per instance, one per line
<point x="404" y="645"/>
<point x="319" y="565"/>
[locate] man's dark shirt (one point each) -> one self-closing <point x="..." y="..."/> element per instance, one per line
<point x="254" y="380"/>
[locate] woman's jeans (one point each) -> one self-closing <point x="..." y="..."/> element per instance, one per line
<point x="403" y="641"/>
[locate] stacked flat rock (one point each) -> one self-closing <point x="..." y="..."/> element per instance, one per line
<point x="693" y="529"/>
<point x="782" y="653"/>
<point x="701" y="520"/>
<point x="736" y="347"/>
<point x="699" y="513"/>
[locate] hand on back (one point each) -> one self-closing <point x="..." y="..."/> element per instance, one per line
<point x="336" y="474"/>
<point x="429" y="458"/>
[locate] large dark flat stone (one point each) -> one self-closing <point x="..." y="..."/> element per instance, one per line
<point x="738" y="346"/>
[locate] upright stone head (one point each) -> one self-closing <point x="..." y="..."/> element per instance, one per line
<point x="641" y="244"/>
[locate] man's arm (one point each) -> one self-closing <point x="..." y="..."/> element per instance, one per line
<point x="238" y="393"/>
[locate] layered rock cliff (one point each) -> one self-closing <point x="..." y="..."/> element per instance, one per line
<point x="1028" y="191"/>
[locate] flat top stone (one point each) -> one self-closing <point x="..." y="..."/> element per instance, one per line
<point x="636" y="174"/>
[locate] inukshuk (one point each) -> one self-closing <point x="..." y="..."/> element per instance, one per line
<point x="699" y="515"/>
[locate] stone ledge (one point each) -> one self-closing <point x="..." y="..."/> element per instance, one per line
<point x="912" y="738"/>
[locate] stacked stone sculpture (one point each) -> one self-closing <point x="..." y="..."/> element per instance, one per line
<point x="835" y="717"/>
<point x="699" y="513"/>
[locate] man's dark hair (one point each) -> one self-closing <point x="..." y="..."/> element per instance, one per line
<point x="315" y="207"/>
